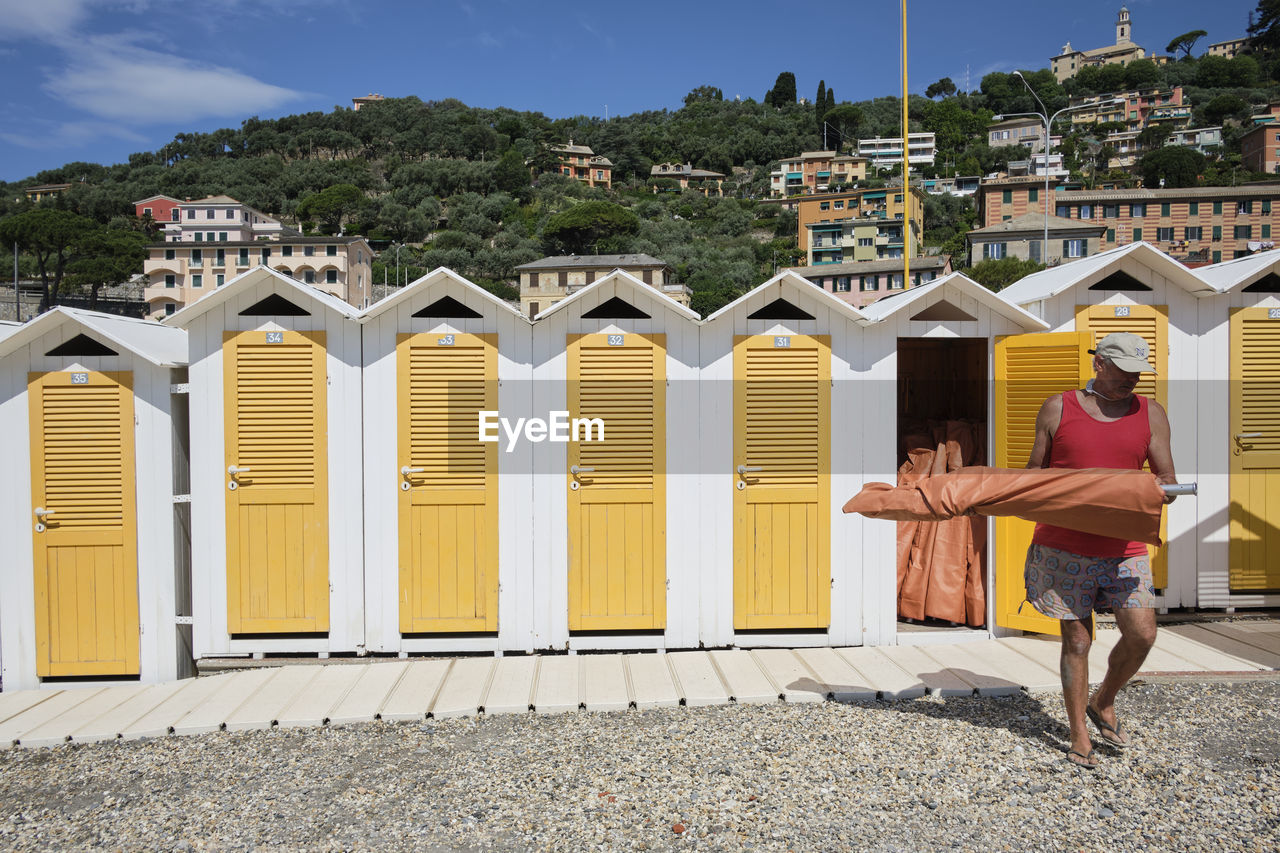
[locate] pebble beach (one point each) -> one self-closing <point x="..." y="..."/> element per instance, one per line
<point x="968" y="773"/>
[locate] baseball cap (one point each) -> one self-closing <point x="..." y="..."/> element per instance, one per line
<point x="1126" y="351"/>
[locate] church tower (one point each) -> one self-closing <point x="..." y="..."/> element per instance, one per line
<point x="1124" y="31"/>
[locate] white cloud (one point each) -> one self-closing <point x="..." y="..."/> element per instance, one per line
<point x="44" y="134"/>
<point x="45" y="20"/>
<point x="487" y="39"/>
<point x="121" y="82"/>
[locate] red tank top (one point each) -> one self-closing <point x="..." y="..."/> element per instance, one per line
<point x="1083" y="442"/>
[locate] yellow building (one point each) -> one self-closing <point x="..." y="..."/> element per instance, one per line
<point x="859" y="225"/>
<point x="581" y="163"/>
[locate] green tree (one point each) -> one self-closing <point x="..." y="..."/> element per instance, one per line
<point x="53" y="237"/>
<point x="820" y="102"/>
<point x="1264" y="31"/>
<point x="1176" y="165"/>
<point x="332" y="206"/>
<point x="943" y="87"/>
<point x="703" y="93"/>
<point x="1186" y="42"/>
<point x="995" y="275"/>
<point x="107" y="256"/>
<point x="579" y="229"/>
<point x="783" y="91"/>
<point x="1224" y="106"/>
<point x="847" y="120"/>
<point x="510" y="174"/>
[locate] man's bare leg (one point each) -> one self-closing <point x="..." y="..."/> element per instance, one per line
<point x="1137" y="635"/>
<point x="1074" y="667"/>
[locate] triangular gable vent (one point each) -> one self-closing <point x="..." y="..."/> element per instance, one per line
<point x="615" y="309"/>
<point x="1269" y="283"/>
<point x="1120" y="281"/>
<point x="944" y="311"/>
<point x="450" y="309"/>
<point x="780" y="309"/>
<point x="81" y="345"/>
<point x="274" y="305"/>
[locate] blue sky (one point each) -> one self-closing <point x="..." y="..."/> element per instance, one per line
<point x="96" y="80"/>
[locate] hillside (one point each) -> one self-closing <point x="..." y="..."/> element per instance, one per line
<point x="452" y="182"/>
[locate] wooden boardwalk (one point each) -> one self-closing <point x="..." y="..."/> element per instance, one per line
<point x="338" y="693"/>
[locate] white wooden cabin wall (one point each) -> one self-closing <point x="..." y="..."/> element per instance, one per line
<point x="159" y="658"/>
<point x="550" y="464"/>
<point x="208" y="473"/>
<point x="1213" y="526"/>
<point x="516" y="591"/>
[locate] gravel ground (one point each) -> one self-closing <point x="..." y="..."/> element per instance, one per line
<point x="954" y="774"/>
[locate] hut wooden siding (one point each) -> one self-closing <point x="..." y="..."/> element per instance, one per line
<point x="519" y="596"/>
<point x="149" y="360"/>
<point x="679" y="333"/>
<point x="1214" y="428"/>
<point x="206" y="322"/>
<point x="859" y="599"/>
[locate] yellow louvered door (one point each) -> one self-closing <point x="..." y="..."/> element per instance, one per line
<point x="1255" y="450"/>
<point x="1151" y="322"/>
<point x="85" y="523"/>
<point x="276" y="482"/>
<point x="448" y="483"/>
<point x="1029" y="369"/>
<point x="617" y="487"/>
<point x="781" y="482"/>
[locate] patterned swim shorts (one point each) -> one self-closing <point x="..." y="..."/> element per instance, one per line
<point x="1063" y="585"/>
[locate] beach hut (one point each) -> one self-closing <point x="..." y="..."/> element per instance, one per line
<point x="446" y="512"/>
<point x="275" y="468"/>
<point x="93" y="572"/>
<point x="931" y="357"/>
<point x="1134" y="288"/>
<point x="781" y="420"/>
<point x="616" y="514"/>
<point x="1239" y="434"/>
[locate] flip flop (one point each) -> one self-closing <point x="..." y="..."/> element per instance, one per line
<point x="1112" y="739"/>
<point x="1085" y="763"/>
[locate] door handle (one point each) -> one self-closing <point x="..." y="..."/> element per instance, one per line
<point x="743" y="470"/>
<point x="406" y="471"/>
<point x="580" y="469"/>
<point x="1241" y="435"/>
<point x="233" y="470"/>
<point x="41" y="512"/>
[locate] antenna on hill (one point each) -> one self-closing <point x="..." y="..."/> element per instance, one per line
<point x="966" y="77"/>
<point x="606" y="112"/>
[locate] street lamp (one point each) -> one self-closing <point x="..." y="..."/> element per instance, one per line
<point x="1048" y="124"/>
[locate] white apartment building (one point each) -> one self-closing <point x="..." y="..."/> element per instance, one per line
<point x="884" y="152"/>
<point x="220" y="219"/>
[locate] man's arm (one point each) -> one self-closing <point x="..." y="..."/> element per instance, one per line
<point x="1047" y="420"/>
<point x="1160" y="451"/>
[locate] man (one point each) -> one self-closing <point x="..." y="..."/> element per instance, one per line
<point x="1070" y="574"/>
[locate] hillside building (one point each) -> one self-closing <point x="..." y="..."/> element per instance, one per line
<point x="816" y="172"/>
<point x="1068" y="63"/>
<point x="1023" y="238"/>
<point x="546" y="281"/>
<point x="861" y="225"/>
<point x="210" y="241"/>
<point x="686" y="177"/>
<point x="1194" y="224"/>
<point x="886" y="152"/>
<point x="862" y="282"/>
<point x="582" y="164"/>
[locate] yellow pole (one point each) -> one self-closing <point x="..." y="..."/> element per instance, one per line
<point x="906" y="183"/>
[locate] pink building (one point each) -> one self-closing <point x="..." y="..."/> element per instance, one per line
<point x="161" y="208"/>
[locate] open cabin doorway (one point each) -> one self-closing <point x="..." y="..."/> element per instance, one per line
<point x="943" y="399"/>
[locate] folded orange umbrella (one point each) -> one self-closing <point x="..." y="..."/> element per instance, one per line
<point x="1103" y="501"/>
